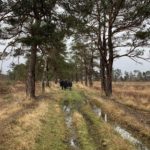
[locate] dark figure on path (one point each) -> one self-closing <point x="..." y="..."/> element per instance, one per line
<point x="61" y="82"/>
<point x="70" y="85"/>
<point x="64" y="84"/>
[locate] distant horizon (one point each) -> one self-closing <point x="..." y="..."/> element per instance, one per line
<point x="124" y="64"/>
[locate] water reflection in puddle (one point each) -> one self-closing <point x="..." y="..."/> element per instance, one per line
<point x="99" y="113"/>
<point x="124" y="134"/>
<point x="68" y="120"/>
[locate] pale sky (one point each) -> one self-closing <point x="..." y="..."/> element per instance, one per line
<point x="125" y="64"/>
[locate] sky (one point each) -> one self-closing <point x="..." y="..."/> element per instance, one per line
<point x="125" y="64"/>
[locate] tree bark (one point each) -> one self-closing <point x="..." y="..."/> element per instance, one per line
<point x="81" y="71"/>
<point x="108" y="90"/>
<point x="44" y="75"/>
<point x="86" y="73"/>
<point x="30" y="85"/>
<point x="86" y="78"/>
<point x="76" y="76"/>
<point x="102" y="75"/>
<point x="109" y="66"/>
<point x="90" y="81"/>
<point x="47" y="79"/>
<point x="91" y="71"/>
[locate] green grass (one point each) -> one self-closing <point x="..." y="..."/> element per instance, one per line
<point x="104" y="136"/>
<point x="74" y="99"/>
<point x="84" y="139"/>
<point x="54" y="133"/>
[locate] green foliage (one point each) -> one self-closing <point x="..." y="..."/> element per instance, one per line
<point x="143" y="35"/>
<point x="18" y="52"/>
<point x="18" y="72"/>
<point x="12" y="21"/>
<point x="31" y="40"/>
<point x="117" y="74"/>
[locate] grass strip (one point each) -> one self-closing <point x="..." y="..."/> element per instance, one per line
<point x="54" y="133"/>
<point x="84" y="139"/>
<point x="74" y="99"/>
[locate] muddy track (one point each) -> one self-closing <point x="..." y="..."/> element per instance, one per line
<point x="141" y="115"/>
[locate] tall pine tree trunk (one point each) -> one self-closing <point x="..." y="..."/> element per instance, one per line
<point x="90" y="80"/>
<point x="86" y="73"/>
<point x="91" y="72"/>
<point x="86" y="76"/>
<point x="102" y="75"/>
<point x="76" y="74"/>
<point x="30" y="85"/>
<point x="44" y="75"/>
<point x="108" y="90"/>
<point x="45" y="81"/>
<point x="47" y="78"/>
<point x="81" y="73"/>
<point x="109" y="64"/>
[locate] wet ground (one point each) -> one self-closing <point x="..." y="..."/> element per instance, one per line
<point x="73" y="142"/>
<point x="123" y="132"/>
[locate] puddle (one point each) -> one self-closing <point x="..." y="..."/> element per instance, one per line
<point x="124" y="133"/>
<point x="99" y="113"/>
<point x="67" y="109"/>
<point x="73" y="144"/>
<point x="68" y="119"/>
<point x="105" y="118"/>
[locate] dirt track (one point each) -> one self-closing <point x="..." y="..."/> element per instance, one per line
<point x="141" y="115"/>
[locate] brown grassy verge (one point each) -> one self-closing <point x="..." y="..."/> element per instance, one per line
<point x="20" y="119"/>
<point x="133" y="94"/>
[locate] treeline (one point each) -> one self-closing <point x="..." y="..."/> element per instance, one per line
<point x="54" y="72"/>
<point x="135" y="75"/>
<point x="67" y="71"/>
